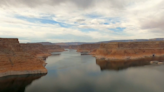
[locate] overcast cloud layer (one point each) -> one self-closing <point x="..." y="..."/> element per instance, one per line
<point x="81" y="20"/>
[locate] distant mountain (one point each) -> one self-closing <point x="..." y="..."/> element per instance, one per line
<point x="134" y="40"/>
<point x="62" y="43"/>
<point x="70" y="43"/>
<point x="46" y="43"/>
<point x="80" y="43"/>
<point x="157" y="39"/>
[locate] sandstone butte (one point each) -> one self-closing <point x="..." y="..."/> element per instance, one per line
<point x="130" y="50"/>
<point x="88" y="48"/>
<point x="15" y="61"/>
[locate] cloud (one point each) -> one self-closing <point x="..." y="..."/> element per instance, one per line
<point x="97" y="20"/>
<point x="38" y="3"/>
<point x="154" y="22"/>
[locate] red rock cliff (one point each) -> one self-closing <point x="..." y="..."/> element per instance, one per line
<point x="54" y="48"/>
<point x="14" y="61"/>
<point x="73" y="46"/>
<point x="130" y="50"/>
<point x="87" y="47"/>
<point x="34" y="49"/>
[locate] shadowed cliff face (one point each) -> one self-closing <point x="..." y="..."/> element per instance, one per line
<point x="130" y="50"/>
<point x="17" y="83"/>
<point x="123" y="64"/>
<point x="87" y="47"/>
<point x="14" y="61"/>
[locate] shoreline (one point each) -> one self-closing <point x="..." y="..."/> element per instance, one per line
<point x="114" y="59"/>
<point x="13" y="73"/>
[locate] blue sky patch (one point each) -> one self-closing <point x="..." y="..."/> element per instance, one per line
<point x="113" y="20"/>
<point x="44" y="20"/>
<point x="117" y="29"/>
<point x="87" y="29"/>
<point x="106" y="23"/>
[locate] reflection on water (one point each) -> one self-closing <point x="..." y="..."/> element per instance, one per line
<point x="120" y="65"/>
<point x="17" y="83"/>
<point x="107" y="65"/>
<point x="71" y="72"/>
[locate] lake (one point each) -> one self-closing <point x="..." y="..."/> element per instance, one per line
<point x="73" y="72"/>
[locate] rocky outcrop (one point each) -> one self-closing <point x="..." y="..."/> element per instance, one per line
<point x="35" y="49"/>
<point x="124" y="64"/>
<point x="73" y="47"/>
<point x="87" y="47"/>
<point x="54" y="48"/>
<point x="15" y="61"/>
<point x="17" y="83"/>
<point x="130" y="50"/>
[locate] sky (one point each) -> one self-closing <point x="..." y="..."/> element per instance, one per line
<point x="81" y="20"/>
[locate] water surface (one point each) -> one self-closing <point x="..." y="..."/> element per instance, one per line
<point x="71" y="72"/>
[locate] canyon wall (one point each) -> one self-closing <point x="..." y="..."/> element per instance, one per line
<point x="73" y="46"/>
<point x="87" y="47"/>
<point x="54" y="48"/>
<point x="15" y="61"/>
<point x="105" y="64"/>
<point x="35" y="49"/>
<point x="130" y="50"/>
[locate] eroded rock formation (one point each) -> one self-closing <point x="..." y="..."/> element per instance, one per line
<point x="35" y="49"/>
<point x="54" y="48"/>
<point x="73" y="46"/>
<point x="15" y="61"/>
<point x="130" y="50"/>
<point x="123" y="64"/>
<point x="87" y="47"/>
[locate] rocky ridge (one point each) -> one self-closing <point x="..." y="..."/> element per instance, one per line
<point x="87" y="47"/>
<point x="37" y="50"/>
<point x="73" y="46"/>
<point x="54" y="48"/>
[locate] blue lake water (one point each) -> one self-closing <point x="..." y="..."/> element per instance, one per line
<point x="73" y="72"/>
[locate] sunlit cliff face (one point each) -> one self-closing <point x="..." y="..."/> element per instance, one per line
<point x="54" y="48"/>
<point x="87" y="47"/>
<point x="130" y="50"/>
<point x="14" y="61"/>
<point x="35" y="49"/>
